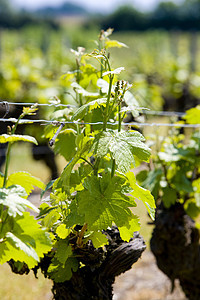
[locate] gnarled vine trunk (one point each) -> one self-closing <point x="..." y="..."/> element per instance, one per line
<point x="95" y="279"/>
<point x="175" y="244"/>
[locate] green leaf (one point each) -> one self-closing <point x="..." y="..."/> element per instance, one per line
<point x="48" y="186"/>
<point x="32" y="229"/>
<point x="103" y="202"/>
<point x="142" y="194"/>
<point x="172" y="153"/>
<point x="181" y="182"/>
<point x="169" y="196"/>
<point x="193" y="115"/>
<point x="13" y="198"/>
<point x="114" y="43"/>
<point x="116" y="71"/>
<point x="127" y="231"/>
<point x="62" y="231"/>
<point x="98" y="239"/>
<point x="75" y="216"/>
<point x="26" y="242"/>
<point x="1" y="180"/>
<point x="82" y="91"/>
<point x="152" y="182"/>
<point x="191" y="208"/>
<point x="63" y="251"/>
<point x="88" y="107"/>
<point x="20" y="245"/>
<point x="64" y="181"/>
<point x="60" y="273"/>
<point x="5" y="138"/>
<point x="51" y="218"/>
<point x="65" y="144"/>
<point x="30" y="110"/>
<point x="122" y="146"/>
<point x="26" y="180"/>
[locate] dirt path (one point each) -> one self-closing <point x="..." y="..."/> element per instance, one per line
<point x="145" y="282"/>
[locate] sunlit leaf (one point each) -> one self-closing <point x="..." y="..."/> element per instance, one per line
<point x="5" y="138"/>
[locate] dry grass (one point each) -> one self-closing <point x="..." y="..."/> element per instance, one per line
<point x="23" y="287"/>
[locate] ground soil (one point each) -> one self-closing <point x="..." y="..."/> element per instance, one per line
<point x="146" y="282"/>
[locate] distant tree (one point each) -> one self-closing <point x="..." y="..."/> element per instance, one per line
<point x="125" y="18"/>
<point x="66" y="8"/>
<point x="190" y="14"/>
<point x="165" y="16"/>
<point x="5" y="7"/>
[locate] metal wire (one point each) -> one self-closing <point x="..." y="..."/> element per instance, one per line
<point x="34" y="103"/>
<point x="146" y="112"/>
<point x="57" y="123"/>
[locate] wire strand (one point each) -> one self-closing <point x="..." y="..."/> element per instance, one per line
<point x="146" y="112"/>
<point x="35" y="103"/>
<point x="57" y="123"/>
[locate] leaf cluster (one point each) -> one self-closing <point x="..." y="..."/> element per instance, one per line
<point x="97" y="187"/>
<point x="175" y="174"/>
<point x="22" y="239"/>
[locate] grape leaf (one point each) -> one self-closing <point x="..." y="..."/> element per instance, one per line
<point x="20" y="245"/>
<point x="80" y="90"/>
<point x="123" y="147"/>
<point x="127" y="231"/>
<point x="5" y="138"/>
<point x="62" y="231"/>
<point x="142" y="194"/>
<point x="64" y="181"/>
<point x="51" y="218"/>
<point x="173" y="153"/>
<point x="86" y="108"/>
<point x="169" y="196"/>
<point x="193" y="115"/>
<point x="26" y="242"/>
<point x="13" y="198"/>
<point x="31" y="228"/>
<point x="59" y="273"/>
<point x="104" y="202"/>
<point x="116" y="71"/>
<point x="26" y="180"/>
<point x="152" y="181"/>
<point x="181" y="182"/>
<point x="65" y="144"/>
<point x="63" y="251"/>
<point x="114" y="43"/>
<point x="192" y="209"/>
<point x="1" y="180"/>
<point x="98" y="239"/>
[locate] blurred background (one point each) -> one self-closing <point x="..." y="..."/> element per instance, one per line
<point x="162" y="58"/>
<point x="162" y="61"/>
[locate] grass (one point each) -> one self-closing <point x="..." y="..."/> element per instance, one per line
<point x="21" y="159"/>
<point x="23" y="287"/>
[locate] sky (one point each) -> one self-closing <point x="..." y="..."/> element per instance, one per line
<point x="92" y="5"/>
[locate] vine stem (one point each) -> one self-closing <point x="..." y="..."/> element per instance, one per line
<point x="107" y="104"/>
<point x="81" y="235"/>
<point x="9" y="149"/>
<point x="119" y="117"/>
<point x="113" y="168"/>
<point x="89" y="163"/>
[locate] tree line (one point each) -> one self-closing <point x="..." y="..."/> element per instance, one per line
<point x="167" y="15"/>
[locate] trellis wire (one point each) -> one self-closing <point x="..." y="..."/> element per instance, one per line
<point x="147" y="112"/>
<point x="57" y="123"/>
<point x="34" y="103"/>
